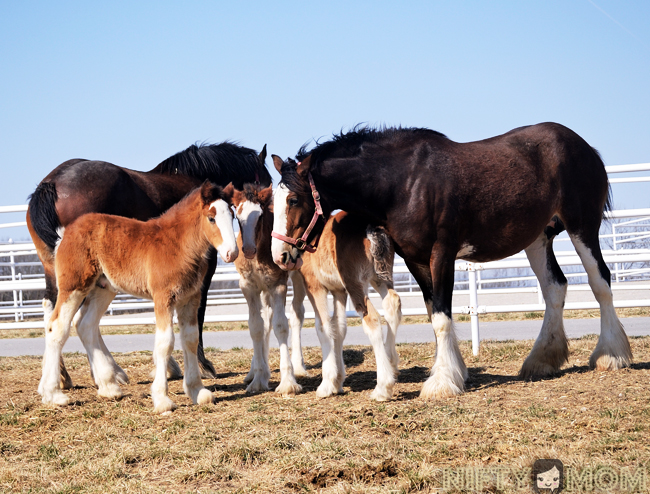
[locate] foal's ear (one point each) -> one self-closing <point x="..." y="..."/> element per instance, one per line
<point x="277" y="162"/>
<point x="262" y="155"/>
<point x="209" y="192"/>
<point x="303" y="166"/>
<point x="266" y="196"/>
<point x="228" y="192"/>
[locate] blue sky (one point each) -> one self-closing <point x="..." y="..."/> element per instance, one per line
<point x="134" y="82"/>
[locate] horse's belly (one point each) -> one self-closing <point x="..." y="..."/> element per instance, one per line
<point x="105" y="281"/>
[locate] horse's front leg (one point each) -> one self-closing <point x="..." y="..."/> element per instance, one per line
<point x="288" y="385"/>
<point x="449" y="372"/>
<point x="164" y="344"/>
<point x="259" y="375"/>
<point x="296" y="320"/>
<point x="189" y="332"/>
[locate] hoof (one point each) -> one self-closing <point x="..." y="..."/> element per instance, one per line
<point x="164" y="405"/>
<point x="531" y="370"/>
<point x="111" y="391"/>
<point x="204" y="398"/>
<point x="437" y="387"/>
<point x="608" y="362"/>
<point x="288" y="389"/>
<point x="56" y="398"/>
<point x="382" y="393"/>
<point x="120" y="375"/>
<point x="257" y="386"/>
<point x="327" y="389"/>
<point x="300" y="371"/>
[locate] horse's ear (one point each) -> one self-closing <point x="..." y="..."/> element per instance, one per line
<point x="209" y="192"/>
<point x="277" y="162"/>
<point x="303" y="166"/>
<point x="237" y="198"/>
<point x="262" y="155"/>
<point x="228" y="192"/>
<point x="266" y="196"/>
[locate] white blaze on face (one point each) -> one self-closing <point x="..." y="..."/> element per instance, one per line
<point x="248" y="214"/>
<point x="279" y="221"/>
<point x="228" y="249"/>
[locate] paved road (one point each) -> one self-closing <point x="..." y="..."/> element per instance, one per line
<point x="414" y="333"/>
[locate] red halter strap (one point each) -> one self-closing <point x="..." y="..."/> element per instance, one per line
<point x="301" y="243"/>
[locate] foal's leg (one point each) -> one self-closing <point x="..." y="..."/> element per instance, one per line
<point x="296" y="319"/>
<point x="164" y="345"/>
<point x="288" y="385"/>
<point x="107" y="374"/>
<point x="392" y="305"/>
<point x="613" y="350"/>
<point x="340" y="322"/>
<point x="57" y="331"/>
<point x="371" y="322"/>
<point x="325" y="332"/>
<point x="551" y="349"/>
<point x="259" y="366"/>
<point x="189" y="333"/>
<point x="449" y="372"/>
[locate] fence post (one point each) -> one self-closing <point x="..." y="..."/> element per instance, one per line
<point x="473" y="306"/>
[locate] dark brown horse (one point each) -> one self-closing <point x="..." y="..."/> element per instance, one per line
<point x="480" y="201"/>
<point x="79" y="186"/>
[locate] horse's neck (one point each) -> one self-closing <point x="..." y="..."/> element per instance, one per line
<point x="185" y="225"/>
<point x="263" y="238"/>
<point x="341" y="190"/>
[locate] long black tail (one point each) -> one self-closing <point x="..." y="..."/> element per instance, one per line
<point x="43" y="215"/>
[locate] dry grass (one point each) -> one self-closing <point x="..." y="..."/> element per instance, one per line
<point x="353" y="321"/>
<point x="264" y="443"/>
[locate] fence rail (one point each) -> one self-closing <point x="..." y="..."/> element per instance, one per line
<point x="623" y="242"/>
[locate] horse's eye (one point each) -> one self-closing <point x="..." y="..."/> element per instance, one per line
<point x="293" y="201"/>
<point x="211" y="219"/>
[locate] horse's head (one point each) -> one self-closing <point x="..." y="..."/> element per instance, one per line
<point x="249" y="205"/>
<point x="216" y="219"/>
<point x="296" y="208"/>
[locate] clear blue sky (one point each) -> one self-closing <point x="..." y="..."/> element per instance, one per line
<point x="134" y="82"/>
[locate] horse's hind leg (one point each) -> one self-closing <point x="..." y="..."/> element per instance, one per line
<point x="189" y="333"/>
<point x="296" y="319"/>
<point x="371" y="322"/>
<point x="207" y="369"/>
<point x="57" y="331"/>
<point x="107" y="374"/>
<point x="613" y="349"/>
<point x="551" y="349"/>
<point x="340" y="325"/>
<point x="392" y="305"/>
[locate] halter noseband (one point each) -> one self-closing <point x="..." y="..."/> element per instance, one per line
<point x="301" y="243"/>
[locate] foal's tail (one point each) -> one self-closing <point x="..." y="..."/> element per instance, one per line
<point x="382" y="251"/>
<point x="43" y="215"/>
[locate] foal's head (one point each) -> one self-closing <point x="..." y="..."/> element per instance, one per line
<point x="216" y="219"/>
<point x="293" y="211"/>
<point x="249" y="205"/>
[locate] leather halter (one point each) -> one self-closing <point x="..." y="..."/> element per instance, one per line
<point x="301" y="243"/>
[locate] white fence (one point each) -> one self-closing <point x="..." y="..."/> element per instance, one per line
<point x="622" y="239"/>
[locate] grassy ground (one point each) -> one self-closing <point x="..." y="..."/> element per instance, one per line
<point x="264" y="443"/>
<point x="353" y="321"/>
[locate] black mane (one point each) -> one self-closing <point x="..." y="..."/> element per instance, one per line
<point x="350" y="143"/>
<point x="221" y="163"/>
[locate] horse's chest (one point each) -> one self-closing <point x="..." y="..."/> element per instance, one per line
<point x="261" y="275"/>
